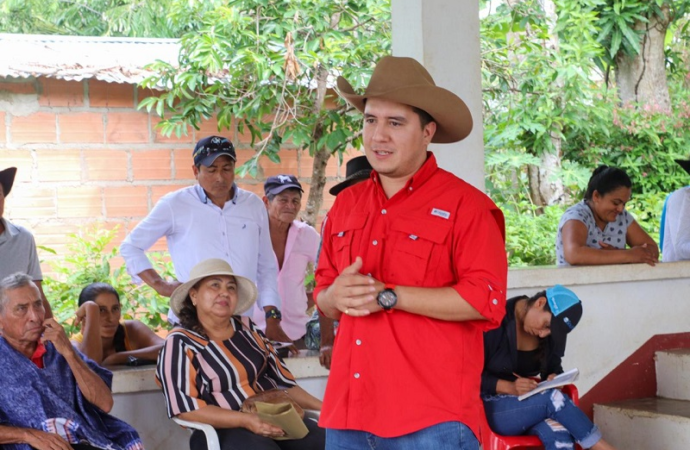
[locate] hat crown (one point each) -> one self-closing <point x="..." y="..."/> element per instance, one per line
<point x="210" y="267"/>
<point x="560" y="299"/>
<point x="393" y="73"/>
<point x="356" y="165"/>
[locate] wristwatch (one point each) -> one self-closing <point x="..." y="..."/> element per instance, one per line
<point x="274" y="313"/>
<point x="387" y="299"/>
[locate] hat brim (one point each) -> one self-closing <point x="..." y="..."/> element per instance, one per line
<point x="7" y="179"/>
<point x="349" y="181"/>
<point x="452" y="116"/>
<point x="685" y="164"/>
<point x="247" y="292"/>
<point x="278" y="189"/>
<point x="210" y="159"/>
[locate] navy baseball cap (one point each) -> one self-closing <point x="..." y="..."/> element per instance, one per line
<point x="277" y="184"/>
<point x="208" y="149"/>
<point x="566" y="309"/>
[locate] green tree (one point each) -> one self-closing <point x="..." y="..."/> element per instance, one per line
<point x="269" y="67"/>
<point x="121" y="18"/>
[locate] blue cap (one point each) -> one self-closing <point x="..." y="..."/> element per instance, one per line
<point x="208" y="149"/>
<point x="566" y="308"/>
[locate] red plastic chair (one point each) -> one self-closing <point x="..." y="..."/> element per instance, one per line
<point x="493" y="441"/>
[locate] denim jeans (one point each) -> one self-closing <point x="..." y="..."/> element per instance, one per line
<point x="550" y="415"/>
<point x="443" y="436"/>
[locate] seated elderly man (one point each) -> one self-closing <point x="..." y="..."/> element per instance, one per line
<point x="51" y="396"/>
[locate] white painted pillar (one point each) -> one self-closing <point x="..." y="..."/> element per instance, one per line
<point x="444" y="36"/>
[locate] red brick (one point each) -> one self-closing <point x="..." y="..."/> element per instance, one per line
<point x="61" y="93"/>
<point x="183" y="164"/>
<point x="53" y="234"/>
<point x="210" y="128"/>
<point x="34" y="128"/>
<point x="243" y="155"/>
<point x="110" y="95"/>
<point x="28" y="202"/>
<point x="58" y="165"/>
<point x="21" y="159"/>
<point x="183" y="139"/>
<point x="126" y="201"/>
<point x="3" y="130"/>
<point x="106" y="165"/>
<point x="288" y="164"/>
<point x="18" y="88"/>
<point x="119" y="236"/>
<point x="152" y="164"/>
<point x="131" y="127"/>
<point x="79" y="201"/>
<point x="160" y="190"/>
<point x="143" y="93"/>
<point x="81" y="127"/>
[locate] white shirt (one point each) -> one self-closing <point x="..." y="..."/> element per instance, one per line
<point x="677" y="226"/>
<point x="301" y="248"/>
<point x="196" y="229"/>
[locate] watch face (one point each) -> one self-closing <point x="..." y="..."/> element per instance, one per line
<point x="387" y="298"/>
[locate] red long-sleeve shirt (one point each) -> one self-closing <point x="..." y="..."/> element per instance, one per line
<point x="394" y="374"/>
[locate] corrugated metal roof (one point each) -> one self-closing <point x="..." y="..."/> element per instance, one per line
<point x="115" y="60"/>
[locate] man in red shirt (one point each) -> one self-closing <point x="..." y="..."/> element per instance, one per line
<point x="414" y="267"/>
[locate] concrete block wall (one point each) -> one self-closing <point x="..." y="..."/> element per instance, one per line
<point x="86" y="154"/>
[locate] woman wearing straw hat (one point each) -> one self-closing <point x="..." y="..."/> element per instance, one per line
<point x="214" y="362"/>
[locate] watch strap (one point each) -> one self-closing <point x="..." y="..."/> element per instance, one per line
<point x="274" y="313"/>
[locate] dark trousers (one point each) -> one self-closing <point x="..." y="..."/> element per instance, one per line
<point x="243" y="439"/>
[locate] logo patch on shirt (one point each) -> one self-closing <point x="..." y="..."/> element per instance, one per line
<point x="440" y="213"/>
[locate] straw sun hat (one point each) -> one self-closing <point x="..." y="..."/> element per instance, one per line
<point x="406" y="81"/>
<point x="246" y="289"/>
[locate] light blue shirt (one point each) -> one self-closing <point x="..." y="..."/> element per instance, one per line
<point x="196" y="229"/>
<point x="676" y="242"/>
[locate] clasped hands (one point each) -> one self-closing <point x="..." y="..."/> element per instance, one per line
<point x="355" y="294"/>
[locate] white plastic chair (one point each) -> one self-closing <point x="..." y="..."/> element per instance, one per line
<point x="212" y="442"/>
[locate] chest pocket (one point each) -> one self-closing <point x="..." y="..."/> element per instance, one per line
<point x="343" y="236"/>
<point x="418" y="246"/>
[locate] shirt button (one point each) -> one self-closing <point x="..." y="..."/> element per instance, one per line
<point x="375" y="242"/>
<point x="410" y="187"/>
<point x="369" y="274"/>
<point x="383" y="211"/>
<point x="495" y="302"/>
<point x="357" y="375"/>
<point x="358" y="342"/>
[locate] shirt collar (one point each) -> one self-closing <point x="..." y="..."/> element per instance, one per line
<point x="204" y="198"/>
<point x="37" y="357"/>
<point x="420" y="176"/>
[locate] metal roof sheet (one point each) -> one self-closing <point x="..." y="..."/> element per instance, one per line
<point x="115" y="60"/>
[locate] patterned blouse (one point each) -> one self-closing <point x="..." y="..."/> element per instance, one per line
<point x="195" y="371"/>
<point x="614" y="233"/>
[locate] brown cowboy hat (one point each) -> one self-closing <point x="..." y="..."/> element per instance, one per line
<point x="406" y="81"/>
<point x="685" y="164"/>
<point x="7" y="179"/>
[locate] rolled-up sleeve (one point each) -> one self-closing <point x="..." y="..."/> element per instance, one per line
<point x="480" y="262"/>
<point x="159" y="223"/>
<point x="176" y="374"/>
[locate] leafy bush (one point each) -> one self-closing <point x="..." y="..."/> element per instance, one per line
<point x="88" y="261"/>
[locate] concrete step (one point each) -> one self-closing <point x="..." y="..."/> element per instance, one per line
<point x="673" y="373"/>
<point x="645" y="424"/>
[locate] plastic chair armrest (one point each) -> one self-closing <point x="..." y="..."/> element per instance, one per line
<point x="212" y="441"/>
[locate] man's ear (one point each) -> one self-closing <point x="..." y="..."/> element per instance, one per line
<point x="265" y="199"/>
<point x="429" y="132"/>
<point x="195" y="169"/>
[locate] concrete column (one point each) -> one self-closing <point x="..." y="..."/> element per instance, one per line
<point x="444" y="36"/>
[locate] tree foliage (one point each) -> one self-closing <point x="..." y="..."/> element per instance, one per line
<point x="268" y="65"/>
<point x="120" y="18"/>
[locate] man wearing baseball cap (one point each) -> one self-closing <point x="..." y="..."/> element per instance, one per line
<point x="212" y="219"/>
<point x="413" y="264"/>
<point x="17" y="245"/>
<point x="295" y="245"/>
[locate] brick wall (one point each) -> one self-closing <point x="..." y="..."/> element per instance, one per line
<point x="86" y="154"/>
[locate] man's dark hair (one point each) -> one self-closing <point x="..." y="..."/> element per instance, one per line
<point x="424" y="117"/>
